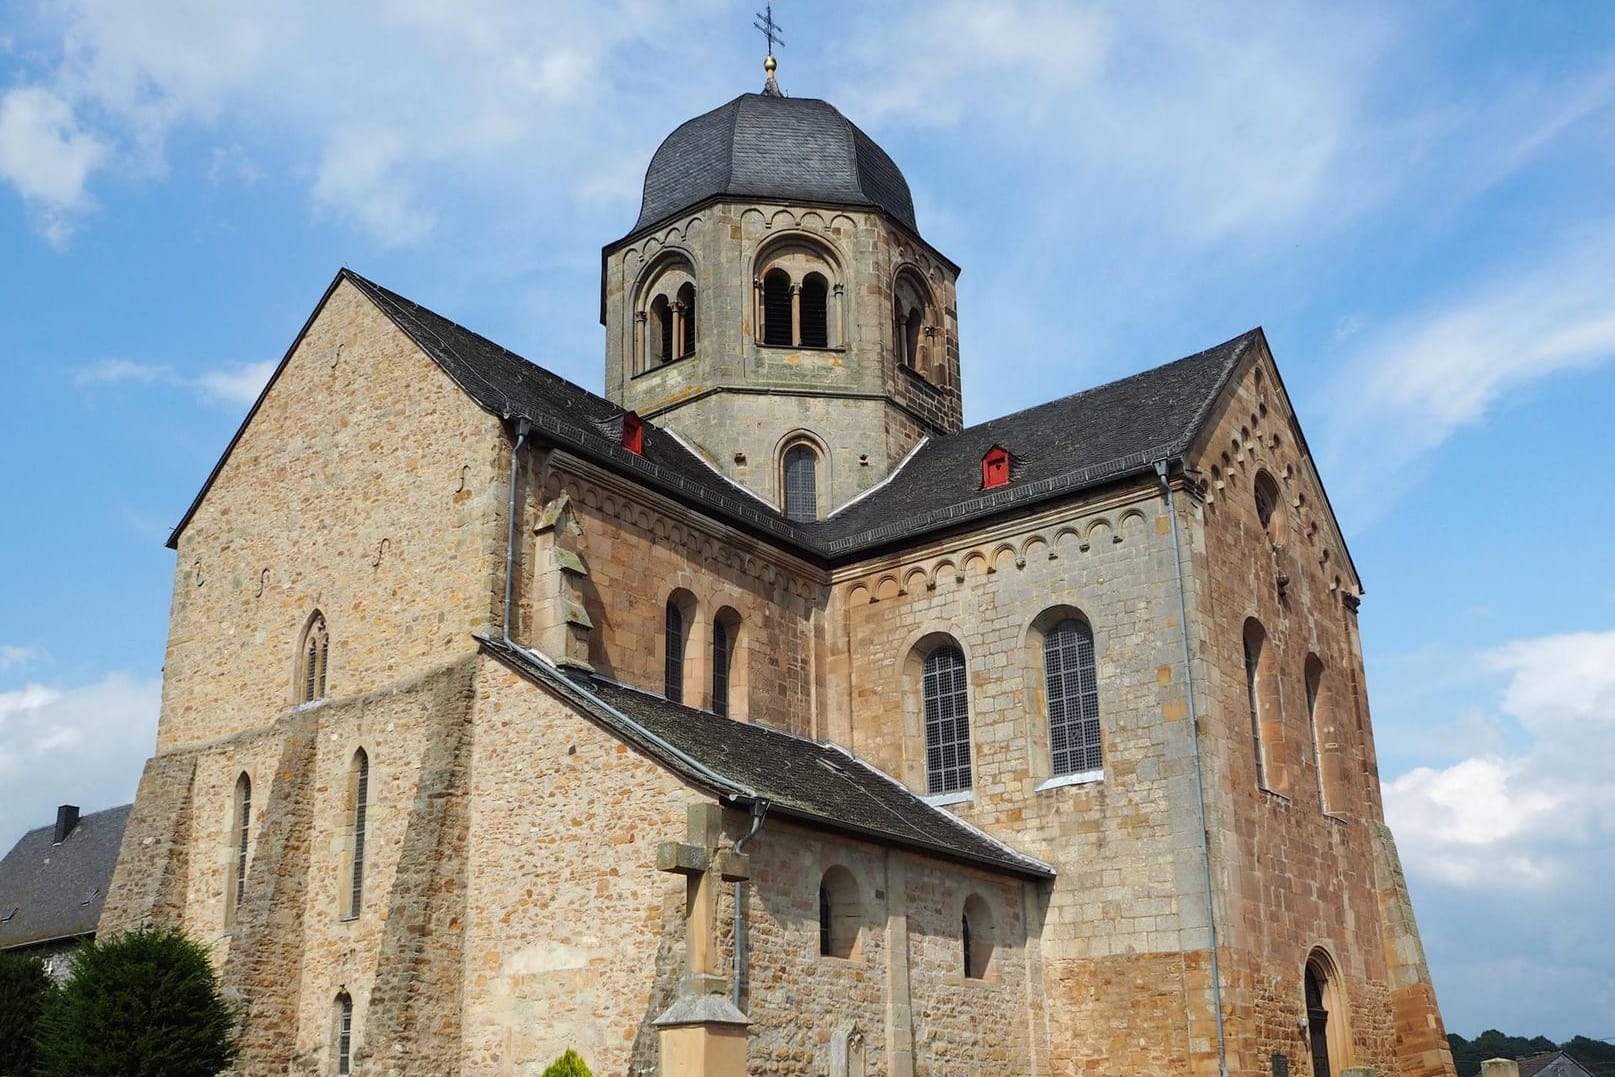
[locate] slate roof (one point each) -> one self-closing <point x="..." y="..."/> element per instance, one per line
<point x="818" y="784"/>
<point x="1552" y="1064"/>
<point x="1101" y="435"/>
<point x="790" y="149"/>
<point x="56" y="891"/>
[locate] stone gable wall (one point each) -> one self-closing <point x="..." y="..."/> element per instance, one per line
<point x="1298" y="877"/>
<point x="367" y="486"/>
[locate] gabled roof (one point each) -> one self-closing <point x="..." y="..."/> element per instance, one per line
<point x="817" y="784"/>
<point x="55" y="892"/>
<point x="1102" y="435"/>
<point x="793" y="149"/>
<point x="1553" y="1064"/>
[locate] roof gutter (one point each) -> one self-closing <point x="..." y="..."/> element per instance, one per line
<point x="1199" y="776"/>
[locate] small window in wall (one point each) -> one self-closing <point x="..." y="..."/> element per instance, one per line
<point x="1268" y="504"/>
<point x="674" y="637"/>
<point x="1072" y="685"/>
<point x="313" y="657"/>
<point x="359" y="782"/>
<point x="243" y="836"/>
<point x="661" y="317"/>
<point x="722" y="653"/>
<point x="1255" y="645"/>
<point x="976" y="938"/>
<point x="777" y="327"/>
<point x="815" y="311"/>
<point x="344" y="1035"/>
<point x="946" y="695"/>
<point x="841" y="914"/>
<point x="801" y="480"/>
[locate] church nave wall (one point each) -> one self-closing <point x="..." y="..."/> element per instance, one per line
<point x="366" y="486"/>
<point x="638" y="551"/>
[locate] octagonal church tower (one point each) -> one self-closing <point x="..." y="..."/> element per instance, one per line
<point x="776" y="306"/>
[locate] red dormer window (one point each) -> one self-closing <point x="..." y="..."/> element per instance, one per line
<point x="995" y="468"/>
<point x="633" y="433"/>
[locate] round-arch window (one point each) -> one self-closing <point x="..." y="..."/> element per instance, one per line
<point x="801" y="483"/>
<point x="777" y="309"/>
<point x="815" y="312"/>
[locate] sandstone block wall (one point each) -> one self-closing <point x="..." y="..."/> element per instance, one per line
<point x="638" y="551"/>
<point x="741" y="401"/>
<point x="1299" y="849"/>
<point x="367" y="486"/>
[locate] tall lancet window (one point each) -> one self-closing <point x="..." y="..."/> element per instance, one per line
<point x="722" y="652"/>
<point x="946" y="693"/>
<point x="241" y="835"/>
<point x="314" y="654"/>
<point x="673" y="663"/>
<point x="359" y="782"/>
<point x="801" y="480"/>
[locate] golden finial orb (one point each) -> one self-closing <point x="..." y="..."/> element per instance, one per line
<point x="769" y="65"/>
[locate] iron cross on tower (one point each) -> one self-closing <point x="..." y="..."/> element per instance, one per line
<point x="768" y="27"/>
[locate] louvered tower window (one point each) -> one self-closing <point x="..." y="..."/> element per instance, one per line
<point x="687" y="320"/>
<point x="815" y="312"/>
<point x="361" y="808"/>
<point x="801" y="483"/>
<point x="1073" y="694"/>
<point x="777" y="329"/>
<point x="673" y="666"/>
<point x="947" y="721"/>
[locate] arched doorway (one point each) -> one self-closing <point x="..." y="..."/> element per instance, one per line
<point x="1328" y="1040"/>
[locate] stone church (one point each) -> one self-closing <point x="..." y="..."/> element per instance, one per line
<point x="758" y="716"/>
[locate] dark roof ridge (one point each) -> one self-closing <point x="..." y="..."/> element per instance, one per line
<point x="1239" y="341"/>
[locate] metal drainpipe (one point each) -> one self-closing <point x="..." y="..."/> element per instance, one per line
<point x="523" y="427"/>
<point x="1199" y="778"/>
<point x="759" y="808"/>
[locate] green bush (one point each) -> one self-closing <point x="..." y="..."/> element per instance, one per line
<point x="24" y="988"/>
<point x="568" y="1065"/>
<point x="142" y="1004"/>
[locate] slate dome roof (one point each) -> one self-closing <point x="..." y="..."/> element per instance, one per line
<point x="794" y="149"/>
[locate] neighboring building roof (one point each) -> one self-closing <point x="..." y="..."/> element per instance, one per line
<point x="1101" y="435"/>
<point x="1553" y="1064"/>
<point x="814" y="783"/>
<point x="56" y="891"/>
<point x="789" y="149"/>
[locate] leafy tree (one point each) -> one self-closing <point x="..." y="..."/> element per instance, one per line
<point x="568" y="1065"/>
<point x="145" y="1003"/>
<point x="24" y="987"/>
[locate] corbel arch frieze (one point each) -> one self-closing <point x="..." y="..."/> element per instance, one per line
<point x="702" y="547"/>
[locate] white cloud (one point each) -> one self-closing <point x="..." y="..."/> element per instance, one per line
<point x="13" y="656"/>
<point x="1415" y="382"/>
<point x="47" y="158"/>
<point x="80" y="745"/>
<point x="1536" y="819"/>
<point x="238" y="383"/>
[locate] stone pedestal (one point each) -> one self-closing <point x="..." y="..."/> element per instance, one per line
<point x="702" y="1036"/>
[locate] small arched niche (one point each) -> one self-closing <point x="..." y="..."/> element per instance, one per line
<point x="841" y="914"/>
<point x="978" y="939"/>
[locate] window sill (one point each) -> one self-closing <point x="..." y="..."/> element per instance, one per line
<point x="924" y="381"/>
<point x="798" y="347"/>
<point x="1273" y="795"/>
<point x="659" y="366"/>
<point x="1081" y="777"/>
<point x="349" y="919"/>
<point x="958" y="796"/>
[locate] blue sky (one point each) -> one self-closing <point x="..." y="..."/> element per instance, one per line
<point x="1416" y="201"/>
